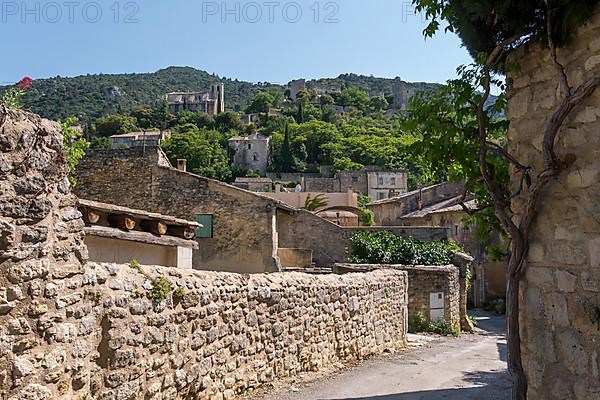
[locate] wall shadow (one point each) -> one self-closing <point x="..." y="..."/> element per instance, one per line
<point x="489" y="386"/>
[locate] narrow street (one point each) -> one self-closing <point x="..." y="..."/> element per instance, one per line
<point x="472" y="367"/>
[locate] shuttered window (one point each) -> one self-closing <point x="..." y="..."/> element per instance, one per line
<point x="206" y="220"/>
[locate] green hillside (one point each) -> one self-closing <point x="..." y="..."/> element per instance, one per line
<point x="91" y="96"/>
<point x="95" y="95"/>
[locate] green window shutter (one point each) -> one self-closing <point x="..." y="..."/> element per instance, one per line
<point x="207" y="226"/>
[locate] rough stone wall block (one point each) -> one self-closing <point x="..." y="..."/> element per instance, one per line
<point x="560" y="292"/>
<point x="41" y="264"/>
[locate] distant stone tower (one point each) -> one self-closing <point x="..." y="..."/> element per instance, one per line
<point x="403" y="92"/>
<point x="217" y="93"/>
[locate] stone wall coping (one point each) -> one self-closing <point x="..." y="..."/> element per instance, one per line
<point x="396" y="267"/>
<point x="208" y="279"/>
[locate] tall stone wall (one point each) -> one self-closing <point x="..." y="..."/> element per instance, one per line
<point x="76" y="330"/>
<point x="232" y="332"/>
<point x="243" y="237"/>
<point x="41" y="265"/>
<point x="561" y="293"/>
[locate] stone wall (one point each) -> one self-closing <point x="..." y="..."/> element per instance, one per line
<point x="561" y="293"/>
<point x="328" y="241"/>
<point x="423" y="281"/>
<point x="243" y="236"/>
<point x="76" y="330"/>
<point x="41" y="265"/>
<point x="233" y="332"/>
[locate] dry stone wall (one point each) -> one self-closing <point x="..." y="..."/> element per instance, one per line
<point x="76" y="330"/>
<point x="561" y="294"/>
<point x="422" y="281"/>
<point x="232" y="332"/>
<point x="41" y="265"/>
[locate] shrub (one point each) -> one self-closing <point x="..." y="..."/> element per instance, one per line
<point x="160" y="289"/>
<point x="135" y="264"/>
<point x="418" y="323"/>
<point x="178" y="295"/>
<point x="443" y="327"/>
<point x="387" y="248"/>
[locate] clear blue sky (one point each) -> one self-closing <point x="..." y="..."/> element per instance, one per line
<point x="378" y="37"/>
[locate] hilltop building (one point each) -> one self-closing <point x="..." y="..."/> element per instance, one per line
<point x="375" y="182"/>
<point x="251" y="152"/>
<point x="211" y="103"/>
<point x="139" y="139"/>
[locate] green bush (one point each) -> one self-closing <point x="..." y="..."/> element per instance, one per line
<point x="387" y="248"/>
<point x="160" y="289"/>
<point x="443" y="327"/>
<point x="418" y="323"/>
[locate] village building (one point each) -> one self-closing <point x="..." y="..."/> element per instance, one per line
<point x="242" y="232"/>
<point x="440" y="205"/>
<point x="298" y="199"/>
<point x="249" y="119"/>
<point x="211" y="103"/>
<point x="139" y="139"/>
<point x="375" y="182"/>
<point x="254" y="184"/>
<point x="117" y="234"/>
<point x="252" y="153"/>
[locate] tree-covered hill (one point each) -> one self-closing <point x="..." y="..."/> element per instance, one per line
<point x="374" y="86"/>
<point x="95" y="95"/>
<point x="91" y="96"/>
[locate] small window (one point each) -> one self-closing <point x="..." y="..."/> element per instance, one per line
<point x="255" y="157"/>
<point x="381" y="180"/>
<point x="380" y="196"/>
<point x="206" y="220"/>
<point x="354" y="179"/>
<point x="393" y="181"/>
<point x="249" y="146"/>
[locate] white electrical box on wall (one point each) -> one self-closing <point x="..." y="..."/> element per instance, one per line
<point x="436" y="306"/>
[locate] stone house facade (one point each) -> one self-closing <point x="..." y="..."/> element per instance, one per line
<point x="241" y="234"/>
<point x="560" y="300"/>
<point x="439" y="206"/>
<point x="247" y="230"/>
<point x="375" y="182"/>
<point x="139" y="139"/>
<point x="252" y="153"/>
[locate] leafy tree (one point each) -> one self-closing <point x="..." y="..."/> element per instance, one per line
<point x="202" y="150"/>
<point x="261" y="103"/>
<point x="75" y="145"/>
<point x="491" y="30"/>
<point x="379" y="103"/>
<point x="200" y="119"/>
<point x="326" y="100"/>
<point x="228" y="121"/>
<point x="277" y="95"/>
<point x="114" y="124"/>
<point x="315" y="203"/>
<point x="352" y="97"/>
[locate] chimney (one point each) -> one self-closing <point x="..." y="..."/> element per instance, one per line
<point x="182" y="165"/>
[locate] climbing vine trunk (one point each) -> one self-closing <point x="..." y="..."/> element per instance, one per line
<point x="515" y="365"/>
